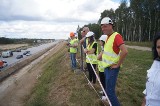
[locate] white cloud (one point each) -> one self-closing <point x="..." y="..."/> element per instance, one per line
<point x="48" y="18"/>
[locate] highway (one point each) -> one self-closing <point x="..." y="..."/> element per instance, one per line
<point x="33" y="50"/>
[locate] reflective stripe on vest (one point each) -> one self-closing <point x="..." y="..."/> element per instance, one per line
<point x="109" y="57"/>
<point x="72" y="49"/>
<point x="100" y="67"/>
<point x="86" y="42"/>
<point x="110" y="54"/>
<point x="77" y="40"/>
<point x="92" y="57"/>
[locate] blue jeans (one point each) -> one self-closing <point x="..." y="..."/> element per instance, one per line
<point x="73" y="60"/>
<point x="110" y="80"/>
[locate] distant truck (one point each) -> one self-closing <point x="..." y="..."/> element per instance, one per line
<point x="7" y="54"/>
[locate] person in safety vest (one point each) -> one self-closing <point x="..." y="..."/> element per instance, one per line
<point x="102" y="40"/>
<point x="92" y="52"/>
<point x="152" y="91"/>
<point x="113" y="55"/>
<point x="84" y="41"/>
<point x="73" y="50"/>
<point x="76" y="36"/>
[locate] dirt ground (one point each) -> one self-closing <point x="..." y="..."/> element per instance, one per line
<point x="15" y="88"/>
<point x="11" y="46"/>
<point x="139" y="48"/>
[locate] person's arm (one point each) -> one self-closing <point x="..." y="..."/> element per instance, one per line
<point x="92" y="51"/>
<point x="82" y="40"/>
<point x="94" y="48"/>
<point x="89" y="51"/>
<point x="99" y="57"/>
<point x="144" y="99"/>
<point x="123" y="54"/>
<point x="74" y="45"/>
<point x="144" y="102"/>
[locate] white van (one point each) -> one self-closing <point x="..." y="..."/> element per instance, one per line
<point x="7" y="54"/>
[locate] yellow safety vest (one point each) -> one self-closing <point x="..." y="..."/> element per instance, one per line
<point x="92" y="57"/>
<point x="100" y="66"/>
<point x="109" y="57"/>
<point x="72" y="49"/>
<point x="86" y="42"/>
<point x="77" y="40"/>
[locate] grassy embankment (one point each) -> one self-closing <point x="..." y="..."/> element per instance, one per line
<point x="59" y="86"/>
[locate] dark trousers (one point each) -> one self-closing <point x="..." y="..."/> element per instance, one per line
<point x="92" y="76"/>
<point x="102" y="78"/>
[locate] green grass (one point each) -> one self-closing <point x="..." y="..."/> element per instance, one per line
<point x="59" y="86"/>
<point x="41" y="90"/>
<point x="144" y="44"/>
<point x="132" y="77"/>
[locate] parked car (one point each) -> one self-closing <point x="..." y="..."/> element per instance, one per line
<point x="26" y="52"/>
<point x="19" y="56"/>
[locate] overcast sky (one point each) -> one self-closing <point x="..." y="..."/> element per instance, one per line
<point x="53" y="19"/>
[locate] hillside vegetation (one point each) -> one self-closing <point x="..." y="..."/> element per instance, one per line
<point x="59" y="86"/>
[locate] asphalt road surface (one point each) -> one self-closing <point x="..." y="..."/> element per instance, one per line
<point x="33" y="50"/>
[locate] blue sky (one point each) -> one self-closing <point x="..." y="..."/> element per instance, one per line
<point x="53" y="19"/>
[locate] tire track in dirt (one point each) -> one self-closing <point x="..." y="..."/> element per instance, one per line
<point x="139" y="48"/>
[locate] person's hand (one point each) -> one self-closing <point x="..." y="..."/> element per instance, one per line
<point x="114" y="66"/>
<point x="99" y="57"/>
<point x="85" y="50"/>
<point x="68" y="44"/>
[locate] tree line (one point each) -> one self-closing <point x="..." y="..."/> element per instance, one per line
<point x="4" y="40"/>
<point x="137" y="22"/>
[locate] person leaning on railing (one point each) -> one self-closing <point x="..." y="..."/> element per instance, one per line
<point x="91" y="59"/>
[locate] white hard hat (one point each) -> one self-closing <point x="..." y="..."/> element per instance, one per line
<point x="89" y="34"/>
<point x="106" y="20"/>
<point x="103" y="38"/>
